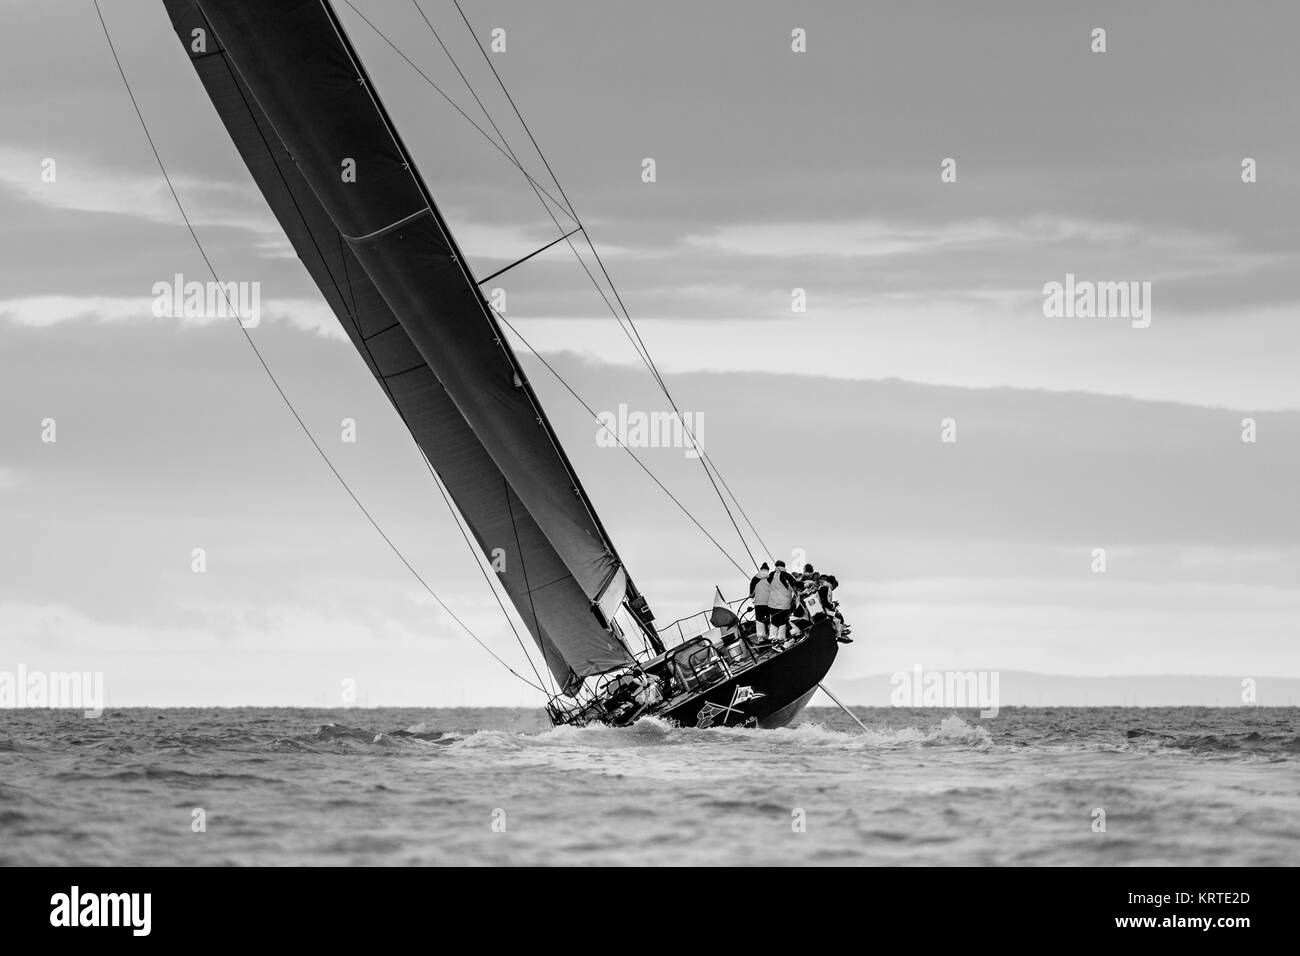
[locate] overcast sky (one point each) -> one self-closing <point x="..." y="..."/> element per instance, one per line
<point x="775" y="170"/>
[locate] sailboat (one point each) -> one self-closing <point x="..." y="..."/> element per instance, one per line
<point x="295" y="98"/>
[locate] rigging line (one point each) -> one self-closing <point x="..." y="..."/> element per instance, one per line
<point x="827" y="691"/>
<point x="592" y="412"/>
<point x="704" y="461"/>
<point x="523" y="565"/>
<point x="537" y="191"/>
<point x="528" y="657"/>
<point x="705" y="458"/>
<point x="736" y="501"/>
<point x="506" y="152"/>
<point x="739" y="506"/>
<point x="536" y="188"/>
<point x="487" y="114"/>
<point x="474" y="93"/>
<point x="249" y="339"/>
<point x="506" y="143"/>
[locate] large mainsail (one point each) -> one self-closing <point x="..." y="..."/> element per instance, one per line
<point x="300" y="108"/>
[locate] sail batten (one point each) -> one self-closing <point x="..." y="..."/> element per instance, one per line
<point x="298" y="107"/>
<point x="426" y="211"/>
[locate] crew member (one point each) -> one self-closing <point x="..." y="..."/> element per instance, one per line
<point x="782" y="589"/>
<point x="827" y="592"/>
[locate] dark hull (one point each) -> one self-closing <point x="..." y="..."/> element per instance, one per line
<point x="770" y="694"/>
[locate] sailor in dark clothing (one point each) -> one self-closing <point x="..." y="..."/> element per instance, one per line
<point x="826" y="592"/>
<point x="803" y="616"/>
<point x="821" y="586"/>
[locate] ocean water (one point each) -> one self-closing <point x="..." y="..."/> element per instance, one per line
<point x="497" y="786"/>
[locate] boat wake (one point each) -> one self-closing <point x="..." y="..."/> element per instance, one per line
<point x="952" y="731"/>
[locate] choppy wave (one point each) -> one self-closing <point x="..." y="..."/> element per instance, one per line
<point x="402" y="786"/>
<point x="1238" y="744"/>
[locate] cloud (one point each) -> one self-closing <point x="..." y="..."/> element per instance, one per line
<point x="83" y="185"/>
<point x="883" y="238"/>
<point x="308" y="315"/>
<point x="858" y="239"/>
<point x="994" y="337"/>
<point x="46" y="310"/>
